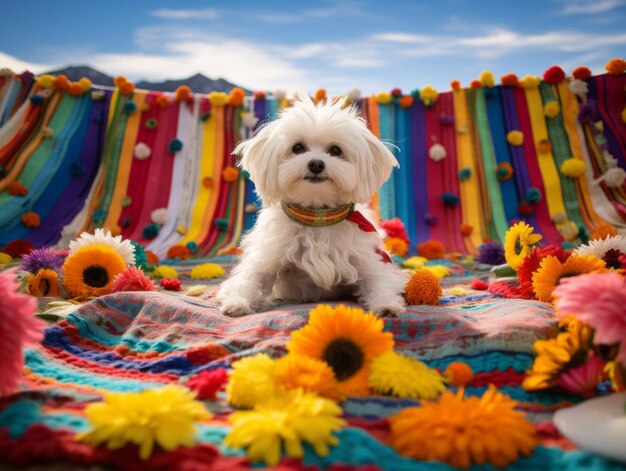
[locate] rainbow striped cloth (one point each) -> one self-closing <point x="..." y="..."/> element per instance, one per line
<point x="136" y="341"/>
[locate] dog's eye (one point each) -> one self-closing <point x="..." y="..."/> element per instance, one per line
<point x="335" y="151"/>
<point x="298" y="148"/>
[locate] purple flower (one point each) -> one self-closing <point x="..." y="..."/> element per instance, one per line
<point x="491" y="253"/>
<point x="39" y="259"/>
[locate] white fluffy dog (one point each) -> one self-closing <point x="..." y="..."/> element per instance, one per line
<point x="309" y="243"/>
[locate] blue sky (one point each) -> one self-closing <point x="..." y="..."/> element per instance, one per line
<point x="301" y="46"/>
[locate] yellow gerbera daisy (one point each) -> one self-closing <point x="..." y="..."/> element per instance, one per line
<point x="44" y="283"/>
<point x="405" y="377"/>
<point x="556" y="355"/>
<point x="164" y="416"/>
<point x="207" y="271"/>
<point x="551" y="270"/>
<point x="286" y="421"/>
<point x="345" y="338"/>
<point x="518" y="243"/>
<point x="295" y="371"/>
<point x="90" y="271"/>
<point x="251" y="381"/>
<point x="464" y="431"/>
<point x="164" y="271"/>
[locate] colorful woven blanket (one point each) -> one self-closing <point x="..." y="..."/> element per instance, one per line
<point x="136" y="341"/>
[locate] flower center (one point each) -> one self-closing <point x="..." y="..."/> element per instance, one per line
<point x="344" y="356"/>
<point x="44" y="287"/>
<point x="611" y="257"/>
<point x="95" y="276"/>
<point x="518" y="247"/>
<point x="565" y="275"/>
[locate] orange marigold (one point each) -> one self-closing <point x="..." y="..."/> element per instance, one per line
<point x="422" y="288"/>
<point x="455" y="85"/>
<point x="179" y="251"/>
<point x="162" y="101"/>
<point x="230" y="174"/>
<point x="510" y="80"/>
<point x="236" y="97"/>
<point x="320" y="95"/>
<point x="475" y="84"/>
<point x="581" y="73"/>
<point x="127" y="88"/>
<point x="15" y="188"/>
<point x="31" y="219"/>
<point x="431" y="249"/>
<point x="152" y="258"/>
<point x="459" y="374"/>
<point x="616" y="67"/>
<point x="61" y="82"/>
<point x="183" y="93"/>
<point x="75" y="89"/>
<point x="406" y="101"/>
<point x="466" y="229"/>
<point x="396" y="246"/>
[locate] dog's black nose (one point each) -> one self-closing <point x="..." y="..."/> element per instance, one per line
<point x="316" y="166"/>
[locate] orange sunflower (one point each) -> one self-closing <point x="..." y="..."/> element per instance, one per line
<point x="346" y="339"/>
<point x="90" y="271"/>
<point x="44" y="283"/>
<point x="463" y="431"/>
<point x="551" y="270"/>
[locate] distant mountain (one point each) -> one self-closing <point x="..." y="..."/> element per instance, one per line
<point x="198" y="83"/>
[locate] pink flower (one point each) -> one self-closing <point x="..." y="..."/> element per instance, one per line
<point x="171" y="284"/>
<point x="208" y="383"/>
<point x="18" y="328"/>
<point x="599" y="299"/>
<point x="133" y="279"/>
<point x="583" y="379"/>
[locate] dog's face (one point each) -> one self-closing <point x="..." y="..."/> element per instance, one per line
<point x="316" y="155"/>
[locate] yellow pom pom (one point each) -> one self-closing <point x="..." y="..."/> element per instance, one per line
<point x="551" y="109"/>
<point x="396" y="246"/>
<point x="414" y="262"/>
<point x="196" y="290"/>
<point x="459" y="374"/>
<point x="5" y="258"/>
<point x="206" y="271"/>
<point x="85" y="84"/>
<point x="515" y="138"/>
<point x="624" y="115"/>
<point x="458" y="291"/>
<point x="218" y="98"/>
<point x="422" y="288"/>
<point x="428" y="95"/>
<point x="252" y="381"/>
<point x="384" y="98"/>
<point x="487" y="79"/>
<point x="530" y="81"/>
<point x="573" y="168"/>
<point x="438" y="270"/>
<point x="164" y="271"/>
<point x="45" y="81"/>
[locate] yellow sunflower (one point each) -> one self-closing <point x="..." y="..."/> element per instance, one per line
<point x="518" y="243"/>
<point x="295" y="371"/>
<point x="567" y="350"/>
<point x="345" y="338"/>
<point x="464" y="431"/>
<point x="551" y="270"/>
<point x="89" y="271"/>
<point x="44" y="283"/>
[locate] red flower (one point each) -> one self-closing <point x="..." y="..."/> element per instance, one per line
<point x="554" y="74"/>
<point x="18" y="248"/>
<point x="133" y="279"/>
<point x="208" y="383"/>
<point x="171" y="284"/>
<point x="531" y="264"/>
<point x="479" y="285"/>
<point x="395" y="228"/>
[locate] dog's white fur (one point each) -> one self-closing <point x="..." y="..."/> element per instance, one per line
<point x="284" y="260"/>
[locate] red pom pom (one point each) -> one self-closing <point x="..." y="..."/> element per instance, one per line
<point x="479" y="285"/>
<point x="475" y="84"/>
<point x="510" y="80"/>
<point x="132" y="279"/>
<point x="554" y="74"/>
<point x="455" y="85"/>
<point x="18" y="248"/>
<point x="259" y="95"/>
<point x="171" y="284"/>
<point x="525" y="208"/>
<point x="208" y="383"/>
<point x="581" y="73"/>
<point x="395" y="228"/>
<point x="396" y="92"/>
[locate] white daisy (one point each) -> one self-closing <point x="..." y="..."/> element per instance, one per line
<point x="601" y="247"/>
<point x="123" y="247"/>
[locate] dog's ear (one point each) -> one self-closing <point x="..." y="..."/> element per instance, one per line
<point x="258" y="157"/>
<point x="375" y="166"/>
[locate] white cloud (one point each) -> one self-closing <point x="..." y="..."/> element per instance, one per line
<point x="402" y="38"/>
<point x="199" y="14"/>
<point x="18" y="66"/>
<point x="578" y="7"/>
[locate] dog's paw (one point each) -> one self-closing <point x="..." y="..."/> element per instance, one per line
<point x="388" y="309"/>
<point x="235" y="309"/>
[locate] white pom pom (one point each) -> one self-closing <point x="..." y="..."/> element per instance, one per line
<point x="354" y="95"/>
<point x="142" y="151"/>
<point x="280" y="94"/>
<point x="615" y="177"/>
<point x="97" y="95"/>
<point x="579" y="88"/>
<point x="6" y="72"/>
<point x="249" y="120"/>
<point x="159" y="216"/>
<point x="559" y="218"/>
<point x="437" y="152"/>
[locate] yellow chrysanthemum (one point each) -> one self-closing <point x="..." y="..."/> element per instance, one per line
<point x="218" y="98"/>
<point x="428" y="95"/>
<point x="487" y="79"/>
<point x="464" y="431"/>
<point x="286" y="421"/>
<point x="345" y="338"/>
<point x="295" y="371"/>
<point x="164" y="271"/>
<point x="44" y="283"/>
<point x="251" y="381"/>
<point x="414" y="262"/>
<point x="164" y="416"/>
<point x="404" y="377"/>
<point x="518" y="243"/>
<point x="5" y="258"/>
<point x="530" y="81"/>
<point x="90" y="271"/>
<point x="206" y="271"/>
<point x="551" y="270"/>
<point x="556" y="355"/>
<point x="384" y="98"/>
